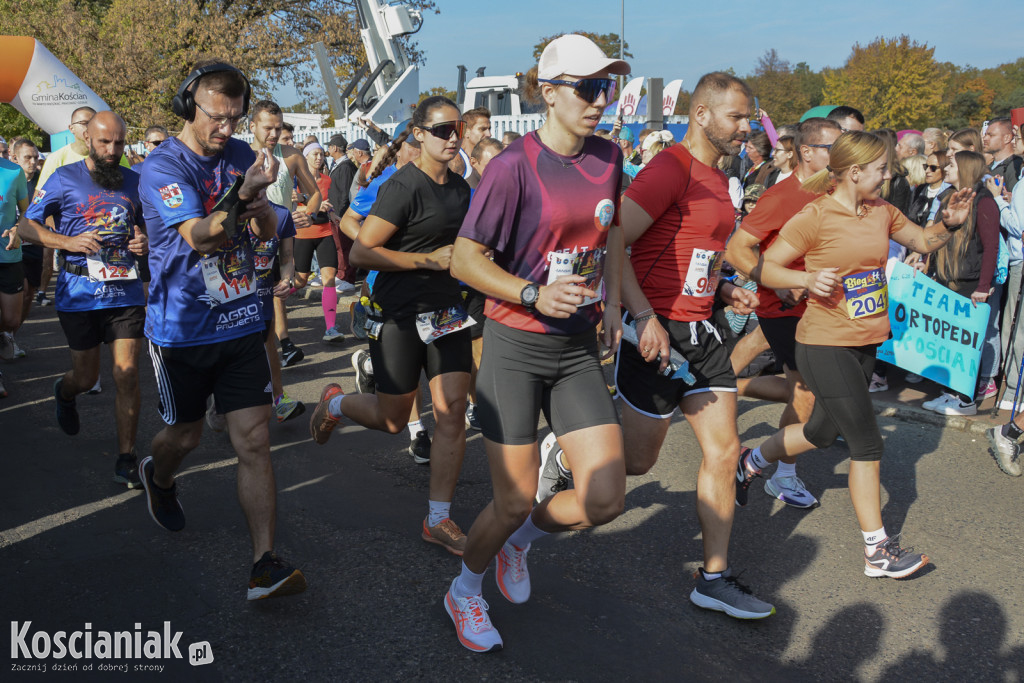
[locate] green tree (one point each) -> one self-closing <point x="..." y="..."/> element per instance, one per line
<point x="896" y="83"/>
<point x="14" y="124"/>
<point x="608" y="42"/>
<point x="437" y="90"/>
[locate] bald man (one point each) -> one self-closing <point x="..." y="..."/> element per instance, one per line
<point x="95" y="205"/>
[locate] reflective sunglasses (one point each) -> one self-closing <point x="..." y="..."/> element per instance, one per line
<point x="588" y="89"/>
<point x="445" y="129"/>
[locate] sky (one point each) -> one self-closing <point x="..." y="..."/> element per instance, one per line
<point x="685" y="39"/>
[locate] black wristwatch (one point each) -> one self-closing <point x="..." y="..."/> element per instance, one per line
<point x="529" y="295"/>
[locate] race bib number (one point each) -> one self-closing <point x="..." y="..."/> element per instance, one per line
<point x="867" y="293"/>
<point x="112" y="264"/>
<point x="588" y="264"/>
<point x="431" y="326"/>
<point x="229" y="274"/>
<point x="264" y="254"/>
<point x="702" y="273"/>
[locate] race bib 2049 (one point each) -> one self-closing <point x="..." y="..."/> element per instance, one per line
<point x="867" y="293"/>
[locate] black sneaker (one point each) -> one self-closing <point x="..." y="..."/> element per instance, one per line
<point x="745" y="473"/>
<point x="67" y="413"/>
<point x="290" y="354"/>
<point x="126" y="471"/>
<point x="727" y="594"/>
<point x="419" y="448"/>
<point x="472" y="421"/>
<point x="272" y="577"/>
<point x="164" y="507"/>
<point x="364" y="372"/>
<point x="892" y="561"/>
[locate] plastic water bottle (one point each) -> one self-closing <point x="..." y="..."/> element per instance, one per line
<point x="678" y="367"/>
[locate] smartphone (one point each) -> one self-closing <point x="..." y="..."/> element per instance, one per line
<point x="757" y="109"/>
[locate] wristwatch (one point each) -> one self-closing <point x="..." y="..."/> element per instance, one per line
<point x="529" y="295"/>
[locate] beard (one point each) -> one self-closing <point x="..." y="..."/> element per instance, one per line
<point x="106" y="173"/>
<point x="724" y="143"/>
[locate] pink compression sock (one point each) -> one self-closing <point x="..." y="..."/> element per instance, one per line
<point x="329" y="301"/>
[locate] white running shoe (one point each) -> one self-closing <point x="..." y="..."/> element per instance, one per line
<point x="6" y="346"/>
<point x="334" y="336"/>
<point x="791" y="491"/>
<point x="344" y="288"/>
<point x="956" y="407"/>
<point x="941" y="400"/>
<point x="512" y="574"/>
<point x="472" y="624"/>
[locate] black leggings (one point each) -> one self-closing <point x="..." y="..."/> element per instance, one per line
<point x="838" y="376"/>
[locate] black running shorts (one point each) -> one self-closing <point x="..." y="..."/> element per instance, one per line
<point x="12" y="278"/>
<point x="474" y="302"/>
<point x="326" y="253"/>
<point x="33" y="268"/>
<point x="781" y="336"/>
<point x="650" y="393"/>
<point x="88" y="329"/>
<point x="235" y="371"/>
<point x="522" y="373"/>
<point x="399" y="355"/>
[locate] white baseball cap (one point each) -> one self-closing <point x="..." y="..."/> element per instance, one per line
<point x="576" y="55"/>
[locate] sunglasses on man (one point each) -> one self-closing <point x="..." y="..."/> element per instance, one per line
<point x="587" y="89"/>
<point x="445" y="129"/>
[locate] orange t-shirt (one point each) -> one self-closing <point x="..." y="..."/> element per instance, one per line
<point x="317" y="229"/>
<point x="829" y="235"/>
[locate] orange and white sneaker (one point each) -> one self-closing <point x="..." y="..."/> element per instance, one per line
<point x="321" y="422"/>
<point x="512" y="575"/>
<point x="472" y="624"/>
<point x="446" y="534"/>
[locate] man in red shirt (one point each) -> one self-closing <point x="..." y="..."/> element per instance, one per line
<point x="677" y="215"/>
<point x="779" y="311"/>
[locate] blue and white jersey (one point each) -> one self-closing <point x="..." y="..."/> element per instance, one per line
<point x="78" y="205"/>
<point x="265" y="253"/>
<point x="196" y="299"/>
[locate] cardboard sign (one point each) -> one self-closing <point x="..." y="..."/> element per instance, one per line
<point x="936" y="333"/>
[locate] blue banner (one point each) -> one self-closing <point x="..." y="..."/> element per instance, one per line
<point x="935" y="332"/>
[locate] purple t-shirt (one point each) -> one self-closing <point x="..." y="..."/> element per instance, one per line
<point x="547" y="215"/>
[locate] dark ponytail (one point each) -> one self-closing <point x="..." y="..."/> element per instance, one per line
<point x="389" y="156"/>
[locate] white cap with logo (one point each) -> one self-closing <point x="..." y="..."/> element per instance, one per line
<point x="576" y="55"/>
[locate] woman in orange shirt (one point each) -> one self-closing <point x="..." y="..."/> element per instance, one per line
<point x="844" y="239"/>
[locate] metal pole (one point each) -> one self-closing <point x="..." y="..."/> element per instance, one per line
<point x="622" y="38"/>
<point x="329" y="83"/>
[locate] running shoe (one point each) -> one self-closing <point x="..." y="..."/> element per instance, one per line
<point x="67" y="413"/>
<point x="217" y="421"/>
<point x="727" y="594"/>
<point x="6" y="346"/>
<point x="913" y="378"/>
<point x="419" y="448"/>
<point x="163" y="504"/>
<point x="1007" y="404"/>
<point x="287" y="408"/>
<point x="958" y="407"/>
<point x="333" y="336"/>
<point x="363" y="366"/>
<point x="745" y="473"/>
<point x="1005" y="451"/>
<point x="126" y="471"/>
<point x="791" y="491"/>
<point x="343" y="288"/>
<point x="290" y="355"/>
<point x="357" y="320"/>
<point x="96" y="388"/>
<point x="892" y="561"/>
<point x="272" y="577"/>
<point x="472" y="421"/>
<point x="878" y="384"/>
<point x="315" y="281"/>
<point x="472" y="624"/>
<point x="446" y="534"/>
<point x="940" y="400"/>
<point x="989" y="391"/>
<point x="553" y="477"/>
<point x="512" y="574"/>
<point x="321" y="423"/>
<point x="18" y="351"/>
<point x="3" y="389"/>
<point x="41" y="299"/>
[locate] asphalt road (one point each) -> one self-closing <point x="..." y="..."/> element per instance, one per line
<point x="608" y="605"/>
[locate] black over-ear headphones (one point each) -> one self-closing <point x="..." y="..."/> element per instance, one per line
<point x="184" y="103"/>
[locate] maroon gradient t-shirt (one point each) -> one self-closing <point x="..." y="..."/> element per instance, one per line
<point x="546" y="215"/>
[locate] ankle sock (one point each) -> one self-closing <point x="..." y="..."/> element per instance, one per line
<point x="710" y="576"/>
<point x="757" y="460"/>
<point x="415" y="428"/>
<point x="334" y="406"/>
<point x="1011" y="431"/>
<point x="437" y="512"/>
<point x="785" y="470"/>
<point x="526" y="534"/>
<point x="469" y="583"/>
<point x="873" y="539"/>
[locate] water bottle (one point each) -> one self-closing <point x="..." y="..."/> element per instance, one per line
<point x="678" y="367"/>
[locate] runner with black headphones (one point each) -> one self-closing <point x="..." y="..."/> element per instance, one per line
<point x="204" y="323"/>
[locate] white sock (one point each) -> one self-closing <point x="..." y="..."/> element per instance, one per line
<point x="872" y="539"/>
<point x="710" y="576"/>
<point x="438" y="512"/>
<point x="469" y="583"/>
<point x="526" y="534"/>
<point x="334" y="406"/>
<point x="757" y="460"/>
<point x="415" y="428"/>
<point x="785" y="470"/>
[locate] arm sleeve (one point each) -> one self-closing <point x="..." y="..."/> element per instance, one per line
<point x="491" y="219"/>
<point x="987" y="225"/>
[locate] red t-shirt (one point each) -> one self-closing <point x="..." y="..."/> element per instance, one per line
<point x="677" y="260"/>
<point x="780" y="203"/>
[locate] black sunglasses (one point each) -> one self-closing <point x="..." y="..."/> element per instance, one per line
<point x="155" y="143"/>
<point x="588" y="89"/>
<point x="445" y="129"/>
<point x="933" y="168"/>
